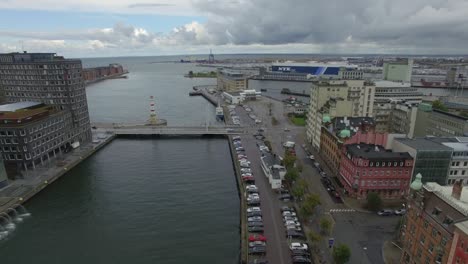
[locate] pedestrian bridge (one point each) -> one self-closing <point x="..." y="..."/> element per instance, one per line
<point x="142" y="129"/>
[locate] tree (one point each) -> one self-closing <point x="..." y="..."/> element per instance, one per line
<point x="291" y="175"/>
<point x="190" y="73"/>
<point x="374" y="203"/>
<point x="325" y="226"/>
<point x="288" y="160"/>
<point x="299" y="189"/>
<point x="299" y="166"/>
<point x="437" y="104"/>
<point x="314" y="238"/>
<point x="274" y="121"/>
<point x="341" y="254"/>
<point x="310" y="202"/>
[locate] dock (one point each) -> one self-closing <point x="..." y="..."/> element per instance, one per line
<point x="202" y="90"/>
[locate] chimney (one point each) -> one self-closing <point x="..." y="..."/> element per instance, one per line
<point x="457" y="189"/>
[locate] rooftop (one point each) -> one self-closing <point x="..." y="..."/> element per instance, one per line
<point x="457" y="146"/>
<point x="463" y="226"/>
<point x="449" y="114"/>
<point x="445" y="193"/>
<point x="391" y="84"/>
<point x="371" y="152"/>
<point x="17" y="106"/>
<point x="423" y="144"/>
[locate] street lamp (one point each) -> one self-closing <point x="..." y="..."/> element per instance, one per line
<point x="364" y="249"/>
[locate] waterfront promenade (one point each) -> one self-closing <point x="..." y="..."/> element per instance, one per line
<point x="21" y="190"/>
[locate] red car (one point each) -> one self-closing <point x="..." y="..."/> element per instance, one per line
<point x="253" y="238"/>
<point x="248" y="178"/>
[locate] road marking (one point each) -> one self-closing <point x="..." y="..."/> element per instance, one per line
<point x="342" y="210"/>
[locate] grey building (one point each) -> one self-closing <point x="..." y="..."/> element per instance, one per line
<point x="50" y="79"/>
<point x="433" y="122"/>
<point x="403" y="118"/>
<point x="432" y="159"/>
<point x="31" y="133"/>
<point x="3" y="174"/>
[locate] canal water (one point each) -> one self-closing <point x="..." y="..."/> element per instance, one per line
<point x="139" y="201"/>
<point x="136" y="201"/>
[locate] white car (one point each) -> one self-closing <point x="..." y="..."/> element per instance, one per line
<point x="244" y="161"/>
<point x="264" y="148"/>
<point x="296" y="245"/>
<point x="290" y="223"/>
<point x="246" y="170"/>
<point x="251" y="186"/>
<point x="246" y="175"/>
<point x="258" y="121"/>
<point x="236" y="138"/>
<point x="253" y="196"/>
<point x="288" y="213"/>
<point x="290" y="218"/>
<point x="253" y="209"/>
<point x="254" y="219"/>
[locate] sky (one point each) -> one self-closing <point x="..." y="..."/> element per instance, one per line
<point x="105" y="28"/>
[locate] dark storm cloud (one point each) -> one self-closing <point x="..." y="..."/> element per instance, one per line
<point x="382" y="22"/>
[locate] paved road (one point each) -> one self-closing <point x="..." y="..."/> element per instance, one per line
<point x="357" y="230"/>
<point x="277" y="247"/>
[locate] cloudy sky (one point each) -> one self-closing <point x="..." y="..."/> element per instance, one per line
<point x="90" y="28"/>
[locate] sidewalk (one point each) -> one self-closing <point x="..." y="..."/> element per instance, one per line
<point x="391" y="253"/>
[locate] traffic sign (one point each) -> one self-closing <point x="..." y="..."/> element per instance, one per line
<point x="331" y="241"/>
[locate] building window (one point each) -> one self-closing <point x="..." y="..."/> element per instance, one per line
<point x="448" y="221"/>
<point x="431" y="247"/>
<point x="436" y="211"/>
<point x="426" y="224"/>
<point x="434" y="232"/>
<point x="422" y="239"/>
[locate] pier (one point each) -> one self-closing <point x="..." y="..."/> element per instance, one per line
<point x="202" y="90"/>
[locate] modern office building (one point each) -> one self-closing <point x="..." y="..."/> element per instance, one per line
<point x="458" y="170"/>
<point x="399" y="70"/>
<point x="31" y="133"/>
<point x="356" y="95"/>
<point x="232" y="81"/>
<point x="431" y="158"/>
<point x="50" y="79"/>
<point x="368" y="168"/>
<point x="433" y="122"/>
<point x="432" y="225"/>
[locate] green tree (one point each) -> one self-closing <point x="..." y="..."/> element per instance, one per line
<point x="374" y="203"/>
<point x="325" y="226"/>
<point x="288" y="160"/>
<point x="291" y="175"/>
<point x="299" y="189"/>
<point x="190" y="73"/>
<point x="314" y="238"/>
<point x="310" y="202"/>
<point x="341" y="254"/>
<point x="299" y="166"/>
<point x="437" y="104"/>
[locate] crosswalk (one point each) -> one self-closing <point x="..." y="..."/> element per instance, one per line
<point x="342" y="210"/>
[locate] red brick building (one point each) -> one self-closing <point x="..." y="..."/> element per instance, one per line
<point x="459" y="250"/>
<point x="93" y="74"/>
<point x="368" y="168"/>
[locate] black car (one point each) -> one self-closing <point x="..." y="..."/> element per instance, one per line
<point x="301" y="259"/>
<point x="300" y="252"/>
<point x="256" y="223"/>
<point x="285" y="197"/>
<point x="255" y="213"/>
<point x="286" y="208"/>
<point x="255" y="229"/>
<point x="257" y="250"/>
<point x="253" y="203"/>
<point x="294" y="234"/>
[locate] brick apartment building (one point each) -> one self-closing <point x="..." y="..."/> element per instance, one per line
<point x="369" y="168"/>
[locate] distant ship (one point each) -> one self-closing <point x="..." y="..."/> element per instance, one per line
<point x="219" y="113"/>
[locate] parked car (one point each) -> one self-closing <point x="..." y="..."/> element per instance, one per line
<point x="254" y="209"/>
<point x="300" y="252"/>
<point x="244" y="165"/>
<point x="294" y="234"/>
<point x="257" y="244"/>
<point x="246" y="170"/>
<point x="292" y="223"/>
<point x="264" y="148"/>
<point x="400" y="211"/>
<point x="288" y="213"/>
<point x="251" y="187"/>
<point x="244" y="161"/>
<point x="255" y="202"/>
<point x="294" y="228"/>
<point x="257" y="250"/>
<point x="311" y="157"/>
<point x="300" y="260"/>
<point x="240" y="149"/>
<point x="286" y="208"/>
<point x="316" y="165"/>
<point x="290" y="218"/>
<point x="250" y="214"/>
<point x="254" y="219"/>
<point x="336" y="194"/>
<point x="286" y="129"/>
<point x="258" y="261"/>
<point x="241" y="156"/>
<point x="257" y="238"/>
<point x="255" y="229"/>
<point x="297" y="245"/>
<point x="236" y="138"/>
<point x="255" y="223"/>
<point x="285" y="197"/>
<point x="385" y="212"/>
<point x="323" y="174"/>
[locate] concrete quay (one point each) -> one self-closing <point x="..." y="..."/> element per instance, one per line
<point x="21" y="190"/>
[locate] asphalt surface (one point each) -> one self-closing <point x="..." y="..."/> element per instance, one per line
<point x="355" y="229"/>
<point x="274" y="231"/>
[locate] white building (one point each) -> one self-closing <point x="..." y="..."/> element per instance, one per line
<point x="399" y="70"/>
<point x="458" y="169"/>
